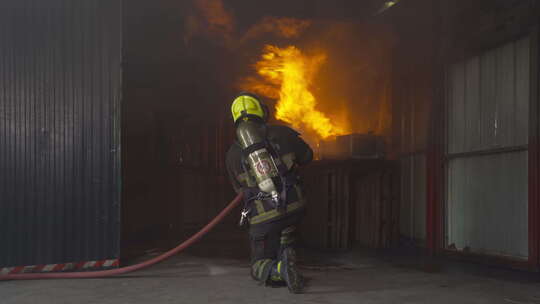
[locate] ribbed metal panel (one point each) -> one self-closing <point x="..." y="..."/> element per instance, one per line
<point x="487" y="194"/>
<point x="414" y="125"/>
<point x="59" y="160"/>
<point x="487" y="204"/>
<point x="413" y="197"/>
<point x="489" y="99"/>
<point x="413" y="119"/>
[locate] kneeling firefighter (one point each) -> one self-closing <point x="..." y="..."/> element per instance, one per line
<point x="263" y="164"/>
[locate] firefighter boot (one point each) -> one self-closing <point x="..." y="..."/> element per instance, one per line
<point x="288" y="270"/>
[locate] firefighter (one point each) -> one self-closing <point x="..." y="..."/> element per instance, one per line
<point x="263" y="163"/>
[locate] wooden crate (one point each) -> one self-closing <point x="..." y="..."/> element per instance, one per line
<point x="325" y="225"/>
<point x="376" y="209"/>
<point x="350" y="201"/>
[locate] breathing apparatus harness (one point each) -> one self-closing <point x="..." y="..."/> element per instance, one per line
<point x="287" y="179"/>
<point x="260" y="157"/>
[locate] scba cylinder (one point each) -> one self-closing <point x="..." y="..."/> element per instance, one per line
<point x="260" y="161"/>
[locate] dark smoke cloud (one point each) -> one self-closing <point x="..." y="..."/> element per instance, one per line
<point x="213" y="20"/>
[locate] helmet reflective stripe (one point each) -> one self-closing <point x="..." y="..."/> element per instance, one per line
<point x="245" y="105"/>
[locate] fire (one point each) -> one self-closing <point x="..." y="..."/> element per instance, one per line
<point x="288" y="75"/>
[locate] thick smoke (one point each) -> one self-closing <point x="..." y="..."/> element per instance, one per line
<point x="212" y="19"/>
<point x="281" y="27"/>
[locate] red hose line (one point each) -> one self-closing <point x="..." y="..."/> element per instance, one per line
<point x="118" y="271"/>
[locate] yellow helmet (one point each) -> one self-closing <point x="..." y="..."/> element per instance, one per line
<point x="247" y="105"/>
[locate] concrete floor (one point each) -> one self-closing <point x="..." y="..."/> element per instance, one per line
<point x="213" y="273"/>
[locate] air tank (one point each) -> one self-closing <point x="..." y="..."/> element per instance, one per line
<point x="260" y="161"/>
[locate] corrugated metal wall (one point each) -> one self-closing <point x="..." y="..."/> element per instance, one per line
<point x="413" y="129"/>
<point x="60" y="87"/>
<point x="204" y="183"/>
<point x="413" y="95"/>
<point x="487" y="204"/>
<point x="488" y="99"/>
<point x="413" y="197"/>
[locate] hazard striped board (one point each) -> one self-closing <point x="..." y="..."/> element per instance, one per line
<point x="75" y="266"/>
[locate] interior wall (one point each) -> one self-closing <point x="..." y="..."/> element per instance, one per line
<point x="413" y="82"/>
<point x="448" y="31"/>
<point x="173" y="126"/>
<point x="60" y="86"/>
<point x="488" y="101"/>
<point x="488" y="72"/>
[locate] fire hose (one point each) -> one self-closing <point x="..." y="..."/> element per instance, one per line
<point x="131" y="268"/>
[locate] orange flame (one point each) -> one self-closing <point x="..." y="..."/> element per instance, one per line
<point x="288" y="74"/>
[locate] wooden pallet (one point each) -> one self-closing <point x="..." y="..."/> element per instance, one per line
<point x="351" y="201"/>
